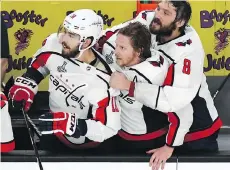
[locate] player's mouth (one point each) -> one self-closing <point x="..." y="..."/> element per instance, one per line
<point x="65" y="47"/>
<point x="156" y="21"/>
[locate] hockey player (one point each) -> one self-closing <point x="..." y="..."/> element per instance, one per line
<point x="184" y="96"/>
<point x="7" y="138"/>
<point x="78" y="83"/>
<point x="135" y="60"/>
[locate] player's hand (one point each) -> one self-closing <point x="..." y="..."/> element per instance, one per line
<point x="23" y="91"/>
<point x="119" y="81"/>
<point x="159" y="157"/>
<point x="64" y="123"/>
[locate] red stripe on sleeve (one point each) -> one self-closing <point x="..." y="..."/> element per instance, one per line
<point x="204" y="132"/>
<point x="101" y="111"/>
<point x="170" y="75"/>
<point x="131" y="89"/>
<point x="3" y="103"/>
<point x="41" y="60"/>
<point x="173" y="127"/>
<point x="8" y="146"/>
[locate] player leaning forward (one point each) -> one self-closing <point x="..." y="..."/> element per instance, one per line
<point x="78" y="83"/>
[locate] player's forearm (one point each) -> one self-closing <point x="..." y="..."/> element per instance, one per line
<point x="162" y="98"/>
<point x="147" y="94"/>
<point x="34" y="75"/>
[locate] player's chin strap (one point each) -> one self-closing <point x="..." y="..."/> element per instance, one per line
<point x="82" y="50"/>
<point x="113" y="92"/>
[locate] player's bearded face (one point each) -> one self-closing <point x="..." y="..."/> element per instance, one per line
<point x="70" y="43"/>
<point x="124" y="52"/>
<point x="157" y="28"/>
<point x="164" y="23"/>
<point x="69" y="52"/>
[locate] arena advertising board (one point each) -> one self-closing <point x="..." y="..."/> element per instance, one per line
<point x="211" y="19"/>
<point x="29" y="23"/>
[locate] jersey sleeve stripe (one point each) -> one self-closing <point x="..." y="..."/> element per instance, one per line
<point x="41" y="60"/>
<point x="101" y="114"/>
<point x="170" y="76"/>
<point x="158" y="94"/>
<point x="132" y="89"/>
<point x="148" y="136"/>
<point x="173" y="128"/>
<point x="191" y="136"/>
<point x="7" y="146"/>
<point x="3" y="104"/>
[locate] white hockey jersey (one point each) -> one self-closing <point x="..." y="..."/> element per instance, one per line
<point x="138" y="121"/>
<point x="7" y="136"/>
<point x="184" y="95"/>
<point x="75" y="86"/>
<point x="133" y="117"/>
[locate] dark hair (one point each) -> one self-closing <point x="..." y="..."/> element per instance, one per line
<point x="183" y="12"/>
<point x="140" y="38"/>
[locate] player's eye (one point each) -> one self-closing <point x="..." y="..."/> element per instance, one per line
<point x="71" y="35"/>
<point x="166" y="13"/>
<point x="122" y="47"/>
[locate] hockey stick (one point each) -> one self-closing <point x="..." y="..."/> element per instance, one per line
<point x="32" y="140"/>
<point x="221" y="86"/>
<point x="34" y="127"/>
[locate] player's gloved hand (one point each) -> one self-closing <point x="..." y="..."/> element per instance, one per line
<point x="23" y="90"/>
<point x="64" y="123"/>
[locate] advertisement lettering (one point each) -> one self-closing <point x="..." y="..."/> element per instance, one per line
<point x="28" y="16"/>
<point x="207" y="18"/>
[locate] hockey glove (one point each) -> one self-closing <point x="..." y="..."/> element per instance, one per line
<point x="60" y="122"/>
<point x="23" y="90"/>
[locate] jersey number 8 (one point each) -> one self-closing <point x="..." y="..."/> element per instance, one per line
<point x="187" y="66"/>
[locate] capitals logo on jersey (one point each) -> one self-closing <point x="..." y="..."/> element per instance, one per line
<point x="188" y="42"/>
<point x="62" y="67"/>
<point x="109" y="58"/>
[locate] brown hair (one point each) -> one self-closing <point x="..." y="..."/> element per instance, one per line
<point x="140" y="38"/>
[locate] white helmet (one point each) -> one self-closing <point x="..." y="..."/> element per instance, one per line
<point x="86" y="23"/>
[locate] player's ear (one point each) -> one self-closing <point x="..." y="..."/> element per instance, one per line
<point x="180" y="23"/>
<point x="87" y="42"/>
<point x="139" y="52"/>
